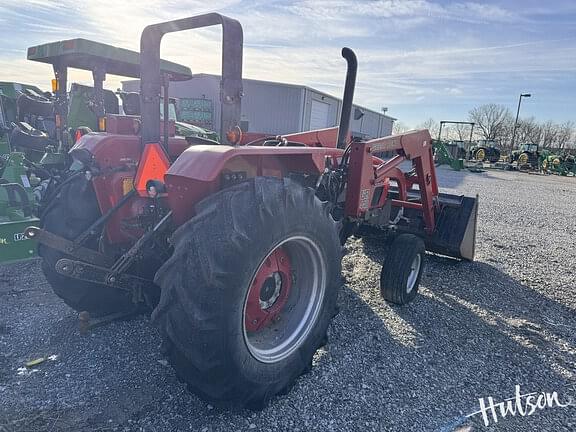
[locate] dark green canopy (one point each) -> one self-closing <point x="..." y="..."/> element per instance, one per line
<point x="88" y="55"/>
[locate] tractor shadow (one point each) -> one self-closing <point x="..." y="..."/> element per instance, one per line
<point x="473" y="331"/>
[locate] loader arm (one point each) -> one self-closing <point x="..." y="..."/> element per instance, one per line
<point x="414" y="146"/>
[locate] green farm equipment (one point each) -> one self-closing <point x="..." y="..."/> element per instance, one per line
<point x="452" y="152"/>
<point x="17" y="206"/>
<point x="37" y="129"/>
<point x="17" y="203"/>
<point x="561" y="164"/>
<point x="442" y="156"/>
<point x="85" y="108"/>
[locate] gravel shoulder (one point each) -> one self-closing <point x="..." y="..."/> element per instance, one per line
<point x="476" y="330"/>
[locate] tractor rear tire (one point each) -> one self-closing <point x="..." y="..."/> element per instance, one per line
<point x="71" y="211"/>
<point x="402" y="269"/>
<point x="208" y="283"/>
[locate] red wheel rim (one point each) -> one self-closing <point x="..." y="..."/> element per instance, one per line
<point x="269" y="291"/>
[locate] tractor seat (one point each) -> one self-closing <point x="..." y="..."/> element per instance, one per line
<point x="35" y="105"/>
<point x="130" y="103"/>
<point x="25" y="137"/>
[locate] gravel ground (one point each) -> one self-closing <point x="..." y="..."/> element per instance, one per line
<point x="476" y="330"/>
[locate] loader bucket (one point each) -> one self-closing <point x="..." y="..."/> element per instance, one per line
<point x="455" y="233"/>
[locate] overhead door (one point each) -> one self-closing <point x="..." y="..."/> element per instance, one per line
<point x="319" y="115"/>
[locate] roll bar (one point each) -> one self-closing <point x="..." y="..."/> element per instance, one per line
<point x="151" y="79"/>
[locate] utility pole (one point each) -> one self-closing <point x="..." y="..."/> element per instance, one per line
<point x="516" y="121"/>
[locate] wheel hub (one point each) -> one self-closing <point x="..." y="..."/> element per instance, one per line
<point x="413" y="275"/>
<point x="269" y="291"/>
<point x="523" y="159"/>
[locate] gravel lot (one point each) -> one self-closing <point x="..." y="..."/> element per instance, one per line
<point x="476" y="330"/>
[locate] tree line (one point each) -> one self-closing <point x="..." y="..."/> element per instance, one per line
<point x="496" y="122"/>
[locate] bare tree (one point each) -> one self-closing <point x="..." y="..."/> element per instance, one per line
<point x="399" y="128"/>
<point x="548" y="134"/>
<point x="565" y="135"/>
<point x="493" y="122"/>
<point x="462" y="131"/>
<point x="431" y="125"/>
<point x="528" y="131"/>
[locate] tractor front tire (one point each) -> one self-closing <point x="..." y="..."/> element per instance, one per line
<point x="71" y="211"/>
<point x="402" y="269"/>
<point x="480" y="154"/>
<point x="249" y="291"/>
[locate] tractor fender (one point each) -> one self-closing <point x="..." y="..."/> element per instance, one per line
<point x="203" y="170"/>
<point x="114" y="150"/>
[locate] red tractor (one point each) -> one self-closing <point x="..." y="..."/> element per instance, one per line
<point x="237" y="249"/>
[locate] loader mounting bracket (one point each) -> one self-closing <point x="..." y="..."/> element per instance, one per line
<point x="68" y="247"/>
<point x="101" y="275"/>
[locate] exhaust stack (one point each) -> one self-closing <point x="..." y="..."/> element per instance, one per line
<point x="344" y="127"/>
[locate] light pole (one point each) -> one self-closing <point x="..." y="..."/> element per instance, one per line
<point x="516" y="121"/>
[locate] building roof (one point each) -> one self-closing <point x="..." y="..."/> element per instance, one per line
<point x="276" y="83"/>
<point x="297" y="86"/>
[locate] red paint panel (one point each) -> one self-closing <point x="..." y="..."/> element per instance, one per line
<point x="360" y="187"/>
<point x="196" y="173"/>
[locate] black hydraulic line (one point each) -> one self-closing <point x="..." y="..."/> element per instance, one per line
<point x="50" y="199"/>
<point x="22" y="202"/>
<point x="104" y="218"/>
<point x="261" y="140"/>
<point x="126" y="260"/>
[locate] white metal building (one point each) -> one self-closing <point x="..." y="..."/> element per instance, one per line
<point x="270" y="107"/>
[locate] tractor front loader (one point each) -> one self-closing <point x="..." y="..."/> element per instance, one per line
<point x="237" y="249"/>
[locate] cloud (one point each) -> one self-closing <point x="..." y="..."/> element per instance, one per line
<point x="343" y="10"/>
<point x="418" y="52"/>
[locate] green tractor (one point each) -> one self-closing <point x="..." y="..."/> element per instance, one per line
<point x="527" y="157"/>
<point x="196" y="134"/>
<point x="38" y="129"/>
<point x="485" y="151"/>
<point x="84" y="108"/>
<point x="23" y="104"/>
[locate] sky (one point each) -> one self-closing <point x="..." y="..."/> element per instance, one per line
<point x="419" y="58"/>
